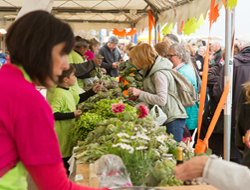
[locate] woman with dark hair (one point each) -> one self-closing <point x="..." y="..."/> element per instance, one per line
<point x="38" y="44"/>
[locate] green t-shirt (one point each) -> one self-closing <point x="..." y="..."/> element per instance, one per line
<point x="50" y="91"/>
<point x="15" y="179"/>
<point x="64" y="101"/>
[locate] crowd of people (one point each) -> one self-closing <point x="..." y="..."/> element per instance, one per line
<point x="35" y="140"/>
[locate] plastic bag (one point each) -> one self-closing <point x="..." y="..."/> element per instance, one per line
<point x="161" y="117"/>
<point x="111" y="172"/>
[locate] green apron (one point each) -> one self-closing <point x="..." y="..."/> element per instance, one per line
<point x="15" y="179"/>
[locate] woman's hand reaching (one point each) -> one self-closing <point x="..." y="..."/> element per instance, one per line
<point x="132" y="91"/>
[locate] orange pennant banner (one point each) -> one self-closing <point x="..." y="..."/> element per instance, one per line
<point x="118" y="33"/>
<point x="214" y="13"/>
<point x="181" y="27"/>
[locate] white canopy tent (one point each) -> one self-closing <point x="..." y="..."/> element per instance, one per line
<point x="120" y="14"/>
<point x="107" y="14"/>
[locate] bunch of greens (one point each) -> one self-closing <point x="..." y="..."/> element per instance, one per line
<point x="86" y="123"/>
<point x="163" y="174"/>
<point x="131" y="75"/>
<point x="101" y="110"/>
<point x="103" y="107"/>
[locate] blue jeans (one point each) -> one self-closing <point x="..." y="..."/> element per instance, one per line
<point x="176" y="128"/>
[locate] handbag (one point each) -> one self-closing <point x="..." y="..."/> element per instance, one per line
<point x="158" y="115"/>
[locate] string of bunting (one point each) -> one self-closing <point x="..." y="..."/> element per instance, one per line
<point x="124" y="32"/>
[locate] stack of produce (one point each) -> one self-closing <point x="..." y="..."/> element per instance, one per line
<point x="97" y="112"/>
<point x="109" y="90"/>
<point x="131" y="75"/>
<point x="137" y="141"/>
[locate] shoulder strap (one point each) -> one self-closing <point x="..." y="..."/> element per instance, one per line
<point x="202" y="146"/>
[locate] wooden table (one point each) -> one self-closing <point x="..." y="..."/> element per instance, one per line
<point x="90" y="179"/>
<point x="191" y="187"/>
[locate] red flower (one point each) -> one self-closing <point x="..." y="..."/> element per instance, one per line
<point x="119" y="107"/>
<point x="142" y="111"/>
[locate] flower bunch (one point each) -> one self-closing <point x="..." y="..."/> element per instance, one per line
<point x="142" y="111"/>
<point x="117" y="107"/>
<point x="136" y="154"/>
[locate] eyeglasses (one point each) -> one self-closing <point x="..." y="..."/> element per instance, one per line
<point x="170" y="56"/>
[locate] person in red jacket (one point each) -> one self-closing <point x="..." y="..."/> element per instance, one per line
<point x="38" y="44"/>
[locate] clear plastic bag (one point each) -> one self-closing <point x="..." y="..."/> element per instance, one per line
<point x="111" y="172"/>
<point x="160" y="117"/>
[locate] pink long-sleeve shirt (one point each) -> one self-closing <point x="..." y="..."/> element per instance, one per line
<point x="27" y="132"/>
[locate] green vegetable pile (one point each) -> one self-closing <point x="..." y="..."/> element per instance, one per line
<point x="86" y="123"/>
<point x="100" y="111"/>
<point x="106" y="130"/>
<point x="171" y="181"/>
<point x="134" y="80"/>
<point x="163" y="175"/>
<point x="96" y="72"/>
<point x="110" y="90"/>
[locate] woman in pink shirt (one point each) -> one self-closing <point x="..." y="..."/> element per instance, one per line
<point x="94" y="47"/>
<point x="38" y="44"/>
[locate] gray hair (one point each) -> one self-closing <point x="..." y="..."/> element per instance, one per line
<point x="181" y="51"/>
<point x="113" y="40"/>
<point x="216" y="43"/>
<point x="81" y="42"/>
<point x="244" y="40"/>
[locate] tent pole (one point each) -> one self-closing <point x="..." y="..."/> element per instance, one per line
<point x="156" y="31"/>
<point x="227" y="108"/>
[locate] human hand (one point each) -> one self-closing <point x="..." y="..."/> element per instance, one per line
<point x="103" y="70"/>
<point x="191" y="169"/>
<point x="247" y="138"/>
<point x="132" y="91"/>
<point x="98" y="61"/>
<point x="97" y="88"/>
<point x="121" y="60"/>
<point x="200" y="73"/>
<point x="77" y="113"/>
<point x="85" y="57"/>
<point x="114" y="65"/>
<point x="210" y="57"/>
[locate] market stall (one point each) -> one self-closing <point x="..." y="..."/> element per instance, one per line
<point x="110" y="119"/>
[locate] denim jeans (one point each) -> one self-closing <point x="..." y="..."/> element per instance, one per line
<point x="176" y="128"/>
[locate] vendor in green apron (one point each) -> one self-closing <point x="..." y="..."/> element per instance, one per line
<point x="75" y="58"/>
<point x="38" y="44"/>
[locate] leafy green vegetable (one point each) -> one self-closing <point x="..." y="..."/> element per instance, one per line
<point x="86" y="123"/>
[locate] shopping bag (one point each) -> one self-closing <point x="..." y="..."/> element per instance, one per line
<point x="158" y="115"/>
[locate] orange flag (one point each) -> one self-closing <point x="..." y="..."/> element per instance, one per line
<point x="181" y="27"/>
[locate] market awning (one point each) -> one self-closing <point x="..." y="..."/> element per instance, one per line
<point x="109" y="14"/>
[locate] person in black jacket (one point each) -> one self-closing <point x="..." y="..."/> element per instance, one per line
<point x="215" y="47"/>
<point x="242" y="123"/>
<point x="241" y="73"/>
<point x="112" y="56"/>
<point x="216" y="139"/>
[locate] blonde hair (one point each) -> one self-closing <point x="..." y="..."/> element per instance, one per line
<point x="162" y="47"/>
<point x="93" y="42"/>
<point x="128" y="47"/>
<point x="247" y="88"/>
<point x="143" y="56"/>
<point x="190" y="47"/>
